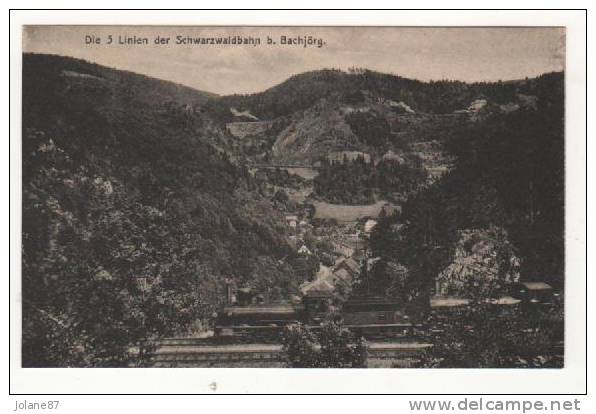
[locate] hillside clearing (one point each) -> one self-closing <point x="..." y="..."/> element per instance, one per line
<point x="346" y="212"/>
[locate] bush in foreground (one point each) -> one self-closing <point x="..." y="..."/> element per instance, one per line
<point x="332" y="347"/>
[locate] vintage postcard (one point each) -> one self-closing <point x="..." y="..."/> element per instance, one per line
<point x="293" y="197"/>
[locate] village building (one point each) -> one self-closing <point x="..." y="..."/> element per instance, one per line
<point x="370" y="263"/>
<point x="342" y="276"/>
<point x="292" y="221"/>
<point x="343" y="156"/>
<point x="341" y="249"/>
<point x="304" y="250"/>
<point x="320" y="287"/>
<point x="349" y="264"/>
<point x="261" y="175"/>
<point x="533" y="292"/>
<point x="369" y="225"/>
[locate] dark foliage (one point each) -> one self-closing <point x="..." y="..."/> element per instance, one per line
<point x="370" y="127"/>
<point x="488" y="336"/>
<point x="332" y="346"/>
<point x="359" y="182"/>
<point x="302" y="91"/>
<point x="130" y="222"/>
<point x="509" y="172"/>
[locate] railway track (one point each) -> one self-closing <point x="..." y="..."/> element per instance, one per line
<point x="203" y="352"/>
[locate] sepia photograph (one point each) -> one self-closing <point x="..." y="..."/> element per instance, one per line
<point x="293" y="197"/>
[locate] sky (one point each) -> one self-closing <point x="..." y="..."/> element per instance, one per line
<point x="424" y="53"/>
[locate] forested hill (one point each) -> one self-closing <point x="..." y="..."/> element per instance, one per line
<point x="134" y="218"/>
<point x="506" y="190"/>
<point x="141" y="88"/>
<point x="302" y="91"/>
<point x="131" y="223"/>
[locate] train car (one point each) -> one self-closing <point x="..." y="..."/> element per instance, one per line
<point x="368" y="316"/>
<point x="372" y="316"/>
<point x="535" y="293"/>
<point x="259" y="320"/>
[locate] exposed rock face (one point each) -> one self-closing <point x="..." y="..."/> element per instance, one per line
<point x="393" y="157"/>
<point x="314" y="132"/>
<point x="340" y="156"/>
<point x="402" y="106"/>
<point x="477" y="105"/>
<point x="77" y="75"/>
<point x="483" y="259"/>
<point x="244" y="129"/>
<point x="243" y="114"/>
<point x="331" y="129"/>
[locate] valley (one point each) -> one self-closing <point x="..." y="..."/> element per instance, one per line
<point x="360" y="202"/>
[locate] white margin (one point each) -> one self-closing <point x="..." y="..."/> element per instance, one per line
<point x="571" y="379"/>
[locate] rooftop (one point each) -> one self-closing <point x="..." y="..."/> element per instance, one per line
<point x="536" y="285"/>
<point x="249" y="310"/>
